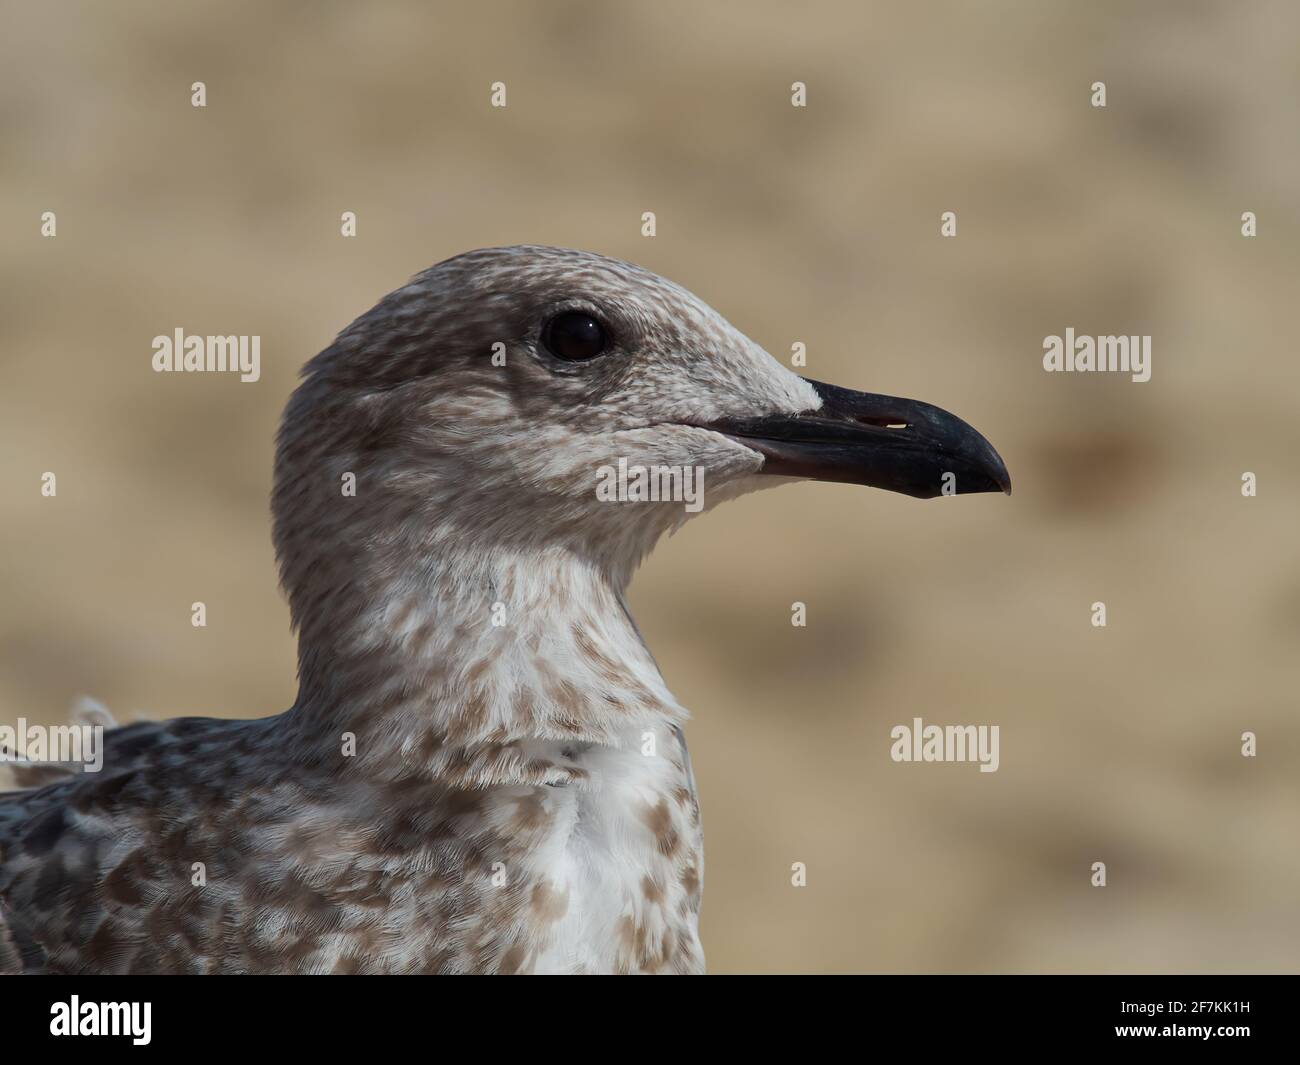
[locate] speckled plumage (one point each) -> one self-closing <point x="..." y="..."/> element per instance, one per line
<point x="519" y="797"/>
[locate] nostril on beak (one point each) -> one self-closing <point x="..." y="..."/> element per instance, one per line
<point x="879" y="421"/>
<point x="882" y="422"/>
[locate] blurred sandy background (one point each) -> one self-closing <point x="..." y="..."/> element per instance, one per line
<point x="820" y="225"/>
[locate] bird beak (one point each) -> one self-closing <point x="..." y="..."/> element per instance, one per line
<point x="901" y="445"/>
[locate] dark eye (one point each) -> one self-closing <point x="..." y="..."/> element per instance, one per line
<point x="574" y="336"/>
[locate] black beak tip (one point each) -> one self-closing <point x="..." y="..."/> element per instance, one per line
<point x="993" y="471"/>
<point x="982" y="469"/>
<point x="1005" y="482"/>
<point x="998" y="482"/>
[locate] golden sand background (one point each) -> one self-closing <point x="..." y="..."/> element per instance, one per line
<point x="818" y="225"/>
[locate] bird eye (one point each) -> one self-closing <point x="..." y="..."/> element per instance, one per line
<point x="574" y="336"/>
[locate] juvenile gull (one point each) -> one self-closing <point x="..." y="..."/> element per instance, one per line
<point x="483" y="770"/>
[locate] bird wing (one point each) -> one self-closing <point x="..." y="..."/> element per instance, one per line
<point x="80" y="858"/>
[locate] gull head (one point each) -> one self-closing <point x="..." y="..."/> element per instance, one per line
<point x="510" y="397"/>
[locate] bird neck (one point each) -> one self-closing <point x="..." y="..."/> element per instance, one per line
<point x="483" y="664"/>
